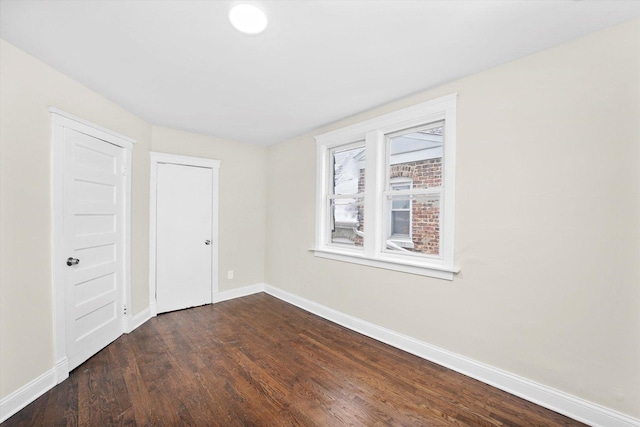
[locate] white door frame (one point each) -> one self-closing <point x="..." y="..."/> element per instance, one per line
<point x="175" y="159"/>
<point x="60" y="121"/>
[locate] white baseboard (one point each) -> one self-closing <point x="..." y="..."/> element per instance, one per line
<point x="566" y="404"/>
<point x="133" y="322"/>
<point x="563" y="403"/>
<point x="62" y="370"/>
<point x="238" y="292"/>
<point x="153" y="308"/>
<point x="26" y="394"/>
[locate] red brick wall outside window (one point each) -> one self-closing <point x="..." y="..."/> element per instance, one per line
<point x="425" y="213"/>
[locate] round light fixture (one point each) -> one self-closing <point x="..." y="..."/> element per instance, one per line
<point x="248" y="18"/>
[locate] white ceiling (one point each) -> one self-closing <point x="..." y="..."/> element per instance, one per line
<point x="180" y="63"/>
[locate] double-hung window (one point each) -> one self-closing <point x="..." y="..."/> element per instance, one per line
<point x="385" y="191"/>
<point x="400" y="213"/>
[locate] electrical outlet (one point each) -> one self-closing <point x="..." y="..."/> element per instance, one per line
<point x="230" y="274"/>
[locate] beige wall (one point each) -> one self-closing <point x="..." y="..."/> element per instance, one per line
<point x="548" y="237"/>
<point x="243" y="189"/>
<point x="547" y="225"/>
<point x="27" y="89"/>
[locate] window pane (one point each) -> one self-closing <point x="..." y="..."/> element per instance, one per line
<point x="400" y="222"/>
<point x="416" y="230"/>
<point x="348" y="170"/>
<point x="417" y="155"/>
<point x="347" y="227"/>
<point x="401" y="203"/>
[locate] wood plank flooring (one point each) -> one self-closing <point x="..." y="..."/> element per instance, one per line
<point x="258" y="361"/>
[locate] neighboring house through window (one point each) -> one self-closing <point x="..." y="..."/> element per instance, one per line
<point x="386" y="191"/>
<point x="400" y="217"/>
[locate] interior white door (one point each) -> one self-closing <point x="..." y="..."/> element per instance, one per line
<point x="93" y="241"/>
<point x="184" y="207"/>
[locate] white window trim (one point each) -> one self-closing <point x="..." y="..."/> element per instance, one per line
<point x="374" y="132"/>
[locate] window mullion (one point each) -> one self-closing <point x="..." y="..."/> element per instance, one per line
<point x="389" y="194"/>
<point x="322" y="186"/>
<point x="344" y="196"/>
<point x="374" y="184"/>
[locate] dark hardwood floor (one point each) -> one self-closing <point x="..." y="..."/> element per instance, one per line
<point x="258" y="361"/>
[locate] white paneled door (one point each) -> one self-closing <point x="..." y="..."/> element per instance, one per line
<point x="184" y="218"/>
<point x="93" y="219"/>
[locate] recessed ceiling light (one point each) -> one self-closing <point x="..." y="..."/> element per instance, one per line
<point x="248" y="18"/>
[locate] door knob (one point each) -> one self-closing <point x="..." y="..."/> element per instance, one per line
<point x="207" y="242"/>
<point x="72" y="261"/>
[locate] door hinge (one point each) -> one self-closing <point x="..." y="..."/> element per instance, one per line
<point x="125" y="310"/>
<point x="124" y="170"/>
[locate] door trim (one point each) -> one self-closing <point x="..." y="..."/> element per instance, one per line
<point x="60" y="121"/>
<point x="175" y="159"/>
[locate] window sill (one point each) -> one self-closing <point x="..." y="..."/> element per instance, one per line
<point x="422" y="269"/>
<point x="402" y="241"/>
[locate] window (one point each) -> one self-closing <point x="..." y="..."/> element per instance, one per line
<point x="414" y="173"/>
<point x="401" y="212"/>
<point x="347" y="194"/>
<point x="385" y="194"/>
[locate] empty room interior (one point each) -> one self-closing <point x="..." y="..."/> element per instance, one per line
<point x="320" y="213"/>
